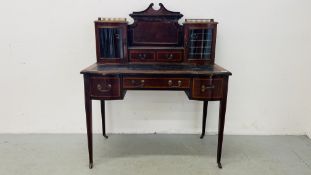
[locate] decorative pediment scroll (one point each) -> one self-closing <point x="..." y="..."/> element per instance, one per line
<point x="152" y="14"/>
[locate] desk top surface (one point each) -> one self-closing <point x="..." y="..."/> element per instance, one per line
<point x="110" y="69"/>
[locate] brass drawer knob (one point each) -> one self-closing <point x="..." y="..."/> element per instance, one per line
<point x="170" y="84"/>
<point x="104" y="89"/>
<point x="169" y="56"/>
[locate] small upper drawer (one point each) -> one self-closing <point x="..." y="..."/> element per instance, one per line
<point x="142" y="55"/>
<point x="169" y="56"/>
<point x="105" y="87"/>
<point x="155" y="83"/>
<point x="207" y="88"/>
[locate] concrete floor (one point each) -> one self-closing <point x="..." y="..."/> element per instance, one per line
<point x="154" y="155"/>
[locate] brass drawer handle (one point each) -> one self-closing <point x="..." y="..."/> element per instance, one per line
<point x="169" y="56"/>
<point x="138" y="84"/>
<point x="104" y="89"/>
<point x="142" y="56"/>
<point x="170" y="84"/>
<point x="204" y="88"/>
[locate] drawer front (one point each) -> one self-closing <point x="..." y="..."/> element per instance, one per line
<point x="105" y="87"/>
<point x="169" y="56"/>
<point x="155" y="83"/>
<point x="142" y="56"/>
<point x="206" y="88"/>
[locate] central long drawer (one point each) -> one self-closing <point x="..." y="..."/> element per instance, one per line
<point x="155" y="83"/>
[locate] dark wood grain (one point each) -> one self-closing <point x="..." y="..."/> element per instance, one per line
<point x="155" y="56"/>
<point x="205" y="105"/>
<point x="221" y="122"/>
<point x="105" y="87"/>
<point x="142" y="55"/>
<point x="169" y="56"/>
<point x="207" y="88"/>
<point x="155" y="28"/>
<point x="155" y="83"/>
<point x="103" y="113"/>
<point x="88" y="112"/>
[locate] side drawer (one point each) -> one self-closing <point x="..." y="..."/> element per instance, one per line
<point x="142" y="55"/>
<point x="105" y="87"/>
<point x="207" y="88"/>
<point x="169" y="56"/>
<point x="155" y="83"/>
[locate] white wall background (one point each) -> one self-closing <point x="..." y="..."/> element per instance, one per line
<point x="265" y="43"/>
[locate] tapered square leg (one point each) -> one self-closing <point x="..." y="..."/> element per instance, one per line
<point x="205" y="105"/>
<point x="88" y="111"/>
<point x="102" y="105"/>
<point x="222" y="112"/>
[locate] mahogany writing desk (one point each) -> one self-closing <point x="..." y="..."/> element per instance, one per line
<point x="155" y="53"/>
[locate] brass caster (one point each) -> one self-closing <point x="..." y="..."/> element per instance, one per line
<point x="91" y="165"/>
<point x="219" y="165"/>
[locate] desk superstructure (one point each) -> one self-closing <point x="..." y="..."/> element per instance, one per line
<point x="155" y="53"/>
